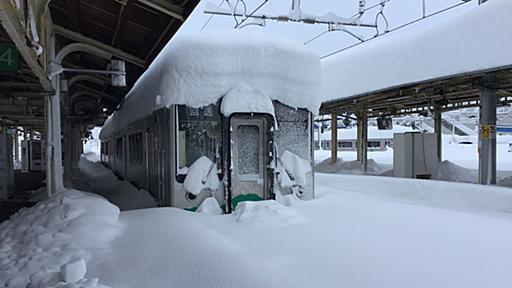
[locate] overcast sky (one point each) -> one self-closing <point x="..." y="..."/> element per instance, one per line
<point x="397" y="12"/>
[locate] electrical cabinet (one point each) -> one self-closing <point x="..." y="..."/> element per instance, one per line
<point x="414" y="155"/>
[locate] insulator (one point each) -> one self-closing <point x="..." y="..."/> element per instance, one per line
<point x="362" y="6"/>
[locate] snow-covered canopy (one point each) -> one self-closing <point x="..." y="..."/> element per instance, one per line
<point x="479" y="40"/>
<point x="197" y="70"/>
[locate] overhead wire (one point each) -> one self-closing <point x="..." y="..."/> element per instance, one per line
<point x="356" y="15"/>
<point x="211" y="16"/>
<point x="252" y="13"/>
<point x="396" y="28"/>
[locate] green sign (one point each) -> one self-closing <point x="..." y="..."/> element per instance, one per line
<point x="9" y="57"/>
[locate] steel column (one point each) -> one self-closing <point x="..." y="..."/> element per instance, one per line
<point x="438" y="130"/>
<point x="487" y="132"/>
<point x="334" y="138"/>
<point x="362" y="139"/>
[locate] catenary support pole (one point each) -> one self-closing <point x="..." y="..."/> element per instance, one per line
<point x="487" y="131"/>
<point x="362" y="138"/>
<point x="334" y="138"/>
<point x="438" y="131"/>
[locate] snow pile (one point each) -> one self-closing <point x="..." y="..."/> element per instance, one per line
<point x="448" y="171"/>
<point x="198" y="69"/>
<point x="94" y="177"/>
<point x="299" y="168"/>
<point x="210" y="206"/>
<point x="243" y="99"/>
<point x="202" y="174"/>
<point x="450" y="48"/>
<point x="45" y="245"/>
<point x="351" y="167"/>
<point x="268" y="211"/>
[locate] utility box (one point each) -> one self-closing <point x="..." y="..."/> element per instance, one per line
<point x="32" y="155"/>
<point x="6" y="167"/>
<point x="414" y="155"/>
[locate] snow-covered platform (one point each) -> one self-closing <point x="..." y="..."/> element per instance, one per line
<point x="373" y="232"/>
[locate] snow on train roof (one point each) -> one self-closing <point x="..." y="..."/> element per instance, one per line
<point x="197" y="70"/>
<point x="478" y="40"/>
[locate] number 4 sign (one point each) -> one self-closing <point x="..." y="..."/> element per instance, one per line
<point x="9" y="57"/>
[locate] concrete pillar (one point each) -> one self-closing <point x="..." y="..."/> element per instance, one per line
<point x="487" y="131"/>
<point x="362" y="138"/>
<point x="438" y="131"/>
<point x="334" y="138"/>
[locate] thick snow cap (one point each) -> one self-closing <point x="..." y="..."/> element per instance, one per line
<point x="479" y="40"/>
<point x="197" y="70"/>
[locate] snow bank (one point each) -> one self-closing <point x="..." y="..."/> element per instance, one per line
<point x="46" y="245"/>
<point x="202" y="174"/>
<point x="351" y="167"/>
<point x="95" y="177"/>
<point x="268" y="211"/>
<point x="477" y="40"/>
<point x="198" y="69"/>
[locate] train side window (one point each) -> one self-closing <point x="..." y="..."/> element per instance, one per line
<point x="373" y="144"/>
<point x="119" y="148"/>
<point x="135" y="148"/>
<point x="199" y="133"/>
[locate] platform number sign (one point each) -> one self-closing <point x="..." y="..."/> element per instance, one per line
<point x="9" y="57"/>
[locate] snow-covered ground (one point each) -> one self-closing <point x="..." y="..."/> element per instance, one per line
<point x="360" y="231"/>
<point x="372" y="232"/>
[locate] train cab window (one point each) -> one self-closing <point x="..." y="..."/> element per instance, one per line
<point x="199" y="133"/>
<point x="119" y="148"/>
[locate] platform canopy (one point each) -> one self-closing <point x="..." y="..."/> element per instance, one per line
<point x="411" y="70"/>
<point x="131" y="30"/>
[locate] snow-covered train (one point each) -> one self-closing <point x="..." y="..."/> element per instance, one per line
<point x="224" y="115"/>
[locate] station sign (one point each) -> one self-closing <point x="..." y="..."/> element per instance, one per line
<point x="9" y="57"/>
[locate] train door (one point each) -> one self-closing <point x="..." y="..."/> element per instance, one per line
<point x="156" y="165"/>
<point x="250" y="147"/>
<point x="152" y="163"/>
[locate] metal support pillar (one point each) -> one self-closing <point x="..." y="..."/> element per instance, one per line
<point x="54" y="152"/>
<point x="334" y="138"/>
<point x="362" y="139"/>
<point x="438" y="131"/>
<point x="16" y="146"/>
<point x="487" y="131"/>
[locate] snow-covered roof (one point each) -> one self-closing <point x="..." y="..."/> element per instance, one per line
<point x="197" y="70"/>
<point x="479" y="40"/>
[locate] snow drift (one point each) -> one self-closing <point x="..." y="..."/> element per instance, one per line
<point x="45" y="245"/>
